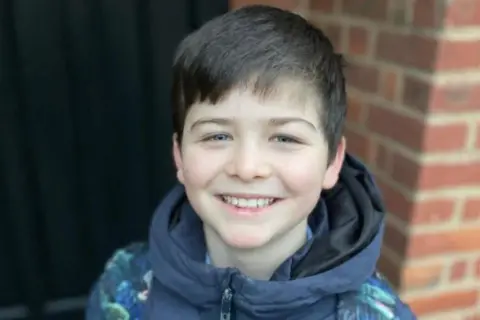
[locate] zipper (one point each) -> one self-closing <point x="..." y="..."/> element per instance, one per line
<point x="226" y="306"/>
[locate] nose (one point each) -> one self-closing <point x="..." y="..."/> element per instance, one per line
<point x="249" y="163"/>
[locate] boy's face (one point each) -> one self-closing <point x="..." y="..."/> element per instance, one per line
<point x="254" y="168"/>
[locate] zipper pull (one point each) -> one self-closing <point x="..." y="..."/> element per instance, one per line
<point x="226" y="307"/>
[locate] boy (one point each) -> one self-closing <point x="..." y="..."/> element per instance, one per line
<point x="271" y="220"/>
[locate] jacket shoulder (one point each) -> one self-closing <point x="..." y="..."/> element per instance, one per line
<point x="376" y="300"/>
<point x="122" y="289"/>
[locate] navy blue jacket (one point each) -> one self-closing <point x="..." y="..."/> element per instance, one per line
<point x="332" y="277"/>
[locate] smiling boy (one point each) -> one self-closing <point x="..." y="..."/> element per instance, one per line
<point x="271" y="219"/>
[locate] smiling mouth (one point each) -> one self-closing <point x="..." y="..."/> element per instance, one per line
<point x="248" y="203"/>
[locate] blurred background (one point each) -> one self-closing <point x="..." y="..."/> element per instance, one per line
<point x="85" y="138"/>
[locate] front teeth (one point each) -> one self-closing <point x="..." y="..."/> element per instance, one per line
<point x="248" y="203"/>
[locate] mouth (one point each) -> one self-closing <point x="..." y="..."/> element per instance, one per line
<point x="248" y="203"/>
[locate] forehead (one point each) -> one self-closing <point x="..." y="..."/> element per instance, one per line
<point x="286" y="99"/>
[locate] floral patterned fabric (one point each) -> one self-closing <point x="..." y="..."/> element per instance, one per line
<point x="122" y="291"/>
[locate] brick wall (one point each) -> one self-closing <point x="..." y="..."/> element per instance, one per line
<point x="414" y="118"/>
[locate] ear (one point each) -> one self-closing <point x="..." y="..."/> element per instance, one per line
<point x="333" y="170"/>
<point x="177" y="157"/>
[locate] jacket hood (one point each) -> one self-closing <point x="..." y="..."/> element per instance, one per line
<point x="347" y="227"/>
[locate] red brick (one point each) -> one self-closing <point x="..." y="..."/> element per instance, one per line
<point x="458" y="271"/>
<point x="471" y="210"/>
<point x="358" y="144"/>
<point x="429" y="212"/>
<point x="428" y="97"/>
<point x="363" y="77"/>
<point x="395" y="240"/>
<point x="426" y="13"/>
<point x="477" y="142"/>
<point x="444" y="242"/>
<point x="405" y="171"/>
<point x="358" y="40"/>
<point x="416" y="93"/>
<point x="383" y="157"/>
<point x="425" y="212"/>
<point x="435" y="176"/>
<point x="415" y="134"/>
<point x="477" y="268"/>
<point x="324" y="6"/>
<point x="356" y="111"/>
<point x="421" y="276"/>
<point x="410" y="277"/>
<point x="462" y="13"/>
<point x="447" y="137"/>
<point x="391" y="124"/>
<point x="376" y="10"/>
<point x="438" y="176"/>
<point x="422" y="52"/>
<point x="395" y="201"/>
<point x="438" y="302"/>
<point x="388" y="87"/>
<point x="410" y="50"/>
<point x="284" y="4"/>
<point x="455" y="98"/>
<point x="457" y="55"/>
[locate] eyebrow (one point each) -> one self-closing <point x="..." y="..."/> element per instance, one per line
<point x="276" y="122"/>
<point x="283" y="121"/>
<point x="219" y="121"/>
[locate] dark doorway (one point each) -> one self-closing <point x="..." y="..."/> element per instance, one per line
<point x="85" y="139"/>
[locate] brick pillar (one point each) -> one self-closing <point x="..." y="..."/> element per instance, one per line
<point x="414" y="118"/>
<point x="414" y="86"/>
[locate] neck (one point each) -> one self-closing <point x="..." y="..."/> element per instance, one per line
<point x="258" y="263"/>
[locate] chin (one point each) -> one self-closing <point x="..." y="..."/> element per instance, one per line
<point x="244" y="240"/>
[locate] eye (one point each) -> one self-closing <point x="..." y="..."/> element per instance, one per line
<point x="285" y="139"/>
<point x="218" y="137"/>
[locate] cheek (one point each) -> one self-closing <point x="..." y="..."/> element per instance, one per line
<point x="304" y="182"/>
<point x="304" y="175"/>
<point x="199" y="168"/>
